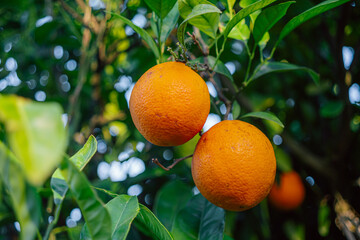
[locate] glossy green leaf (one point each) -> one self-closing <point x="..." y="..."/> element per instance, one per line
<point x="264" y="115"/>
<point x="83" y="156"/>
<point x="169" y="22"/>
<point x="95" y="214"/>
<point x="199" y="13"/>
<point x="219" y="68"/>
<point x="308" y="14"/>
<point x="145" y="35"/>
<point x="123" y="209"/>
<point x="80" y="159"/>
<point x="236" y="110"/>
<point x="161" y="7"/>
<point x="268" y="18"/>
<point x="147" y="223"/>
<point x="246" y="3"/>
<point x="169" y="200"/>
<point x="24" y="198"/>
<point x="74" y="232"/>
<point x="36" y="135"/>
<point x="241" y="31"/>
<point x="264" y="40"/>
<point x="244" y="13"/>
<point x="270" y="67"/>
<point x="200" y="220"/>
<point x="332" y="109"/>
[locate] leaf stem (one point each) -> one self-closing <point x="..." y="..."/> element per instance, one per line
<point x="54" y="222"/>
<point x="159" y="40"/>
<point x="216" y="46"/>
<point x="251" y="57"/>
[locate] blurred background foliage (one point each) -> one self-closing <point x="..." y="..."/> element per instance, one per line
<point x="87" y="60"/>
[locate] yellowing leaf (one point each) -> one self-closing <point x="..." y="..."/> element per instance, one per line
<point x="36" y="135"/>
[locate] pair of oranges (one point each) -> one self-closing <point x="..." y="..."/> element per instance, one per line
<point x="233" y="164"/>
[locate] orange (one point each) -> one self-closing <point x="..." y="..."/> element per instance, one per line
<point x="234" y="165"/>
<point x="169" y="104"/>
<point x="290" y="193"/>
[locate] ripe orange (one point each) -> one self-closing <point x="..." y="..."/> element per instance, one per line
<point x="290" y="193"/>
<point x="169" y="104"/>
<point x="234" y="165"/>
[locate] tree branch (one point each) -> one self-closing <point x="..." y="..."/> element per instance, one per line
<point x="176" y="161"/>
<point x="93" y="26"/>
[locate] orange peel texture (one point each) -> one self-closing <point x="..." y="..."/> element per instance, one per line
<point x="169" y="104"/>
<point x="234" y="165"/>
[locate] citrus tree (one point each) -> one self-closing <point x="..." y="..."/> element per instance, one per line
<point x="162" y="119"/>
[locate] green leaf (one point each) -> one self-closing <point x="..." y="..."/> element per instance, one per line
<point x="308" y="14"/>
<point x="169" y="22"/>
<point x="199" y="13"/>
<point x="145" y="35"/>
<point x="236" y="110"/>
<point x="246" y="3"/>
<point x="294" y="230"/>
<point x="324" y="218"/>
<point x="230" y="4"/>
<point x="219" y="68"/>
<point x="226" y="237"/>
<point x="264" y="115"/>
<point x="123" y="209"/>
<point x="83" y="156"/>
<point x="24" y="198"/>
<point x="269" y="67"/>
<point x="80" y="159"/>
<point x="268" y="18"/>
<point x="332" y="109"/>
<point x="147" y="223"/>
<point x="95" y="214"/>
<point x="199" y="219"/>
<point x="240" y="32"/>
<point x="36" y="135"/>
<point x="244" y="13"/>
<point x="283" y="161"/>
<point x="169" y="200"/>
<point x="161" y="7"/>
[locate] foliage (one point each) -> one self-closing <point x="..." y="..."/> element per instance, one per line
<point x="71" y="159"/>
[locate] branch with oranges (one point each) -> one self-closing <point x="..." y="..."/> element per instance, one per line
<point x="169" y="105"/>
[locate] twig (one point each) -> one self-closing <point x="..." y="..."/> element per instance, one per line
<point x="73" y="13"/>
<point x="221" y="96"/>
<point x="196" y="36"/>
<point x="176" y="161"/>
<point x="204" y="46"/>
<point x="195" y="41"/>
<point x="94" y="22"/>
<point x="183" y="52"/>
<point x="94" y="26"/>
<point x="83" y="66"/>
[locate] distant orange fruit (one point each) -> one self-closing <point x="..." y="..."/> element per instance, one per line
<point x="290" y="192"/>
<point x="169" y="104"/>
<point x="234" y="165"/>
